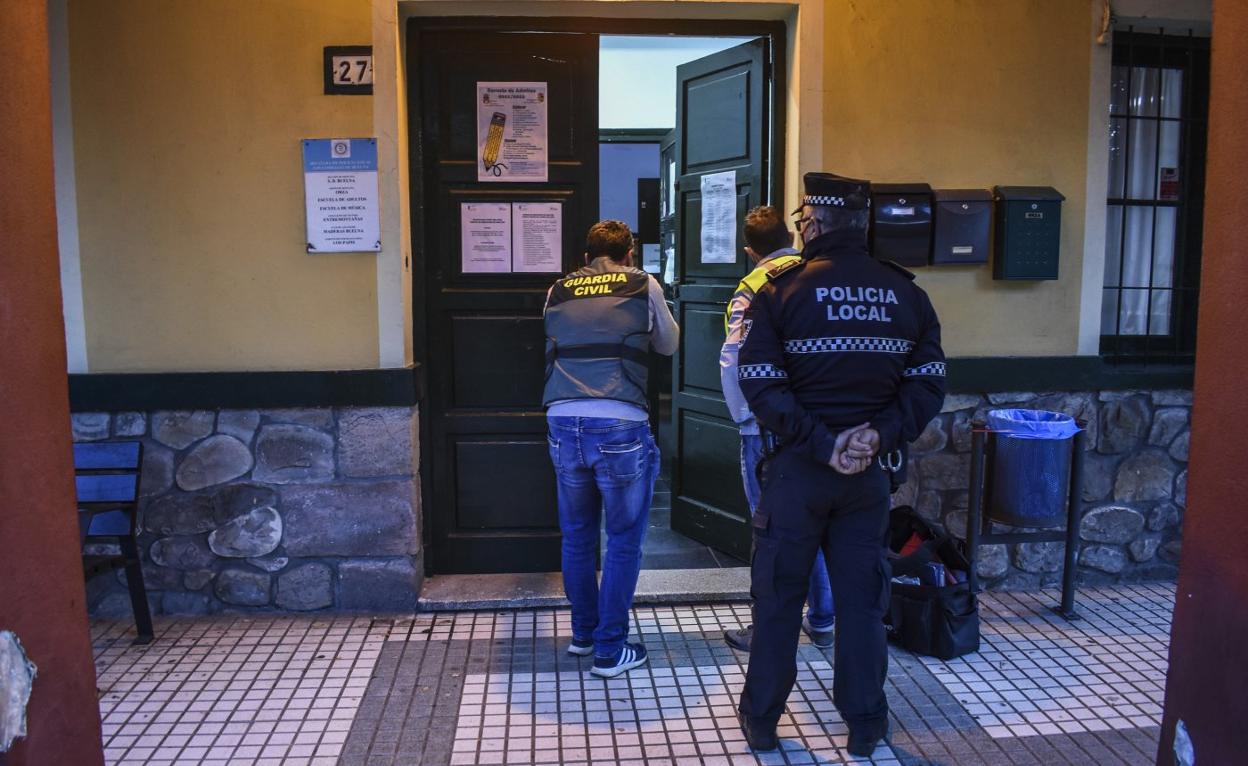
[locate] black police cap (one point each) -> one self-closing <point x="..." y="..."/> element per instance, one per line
<point x="836" y="191"/>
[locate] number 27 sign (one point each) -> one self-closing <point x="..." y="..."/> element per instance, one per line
<point x="348" y="70"/>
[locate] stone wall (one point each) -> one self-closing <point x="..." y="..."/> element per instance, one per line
<point x="307" y="509"/>
<point x="293" y="509"/>
<point x="1135" y="484"/>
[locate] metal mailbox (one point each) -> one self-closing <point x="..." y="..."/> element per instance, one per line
<point x="1028" y="232"/>
<point x="901" y="223"/>
<point x="962" y="226"/>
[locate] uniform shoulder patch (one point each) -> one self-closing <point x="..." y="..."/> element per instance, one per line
<point x="907" y="273"/>
<point x="787" y="268"/>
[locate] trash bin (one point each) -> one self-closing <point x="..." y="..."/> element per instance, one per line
<point x="1030" y="467"/>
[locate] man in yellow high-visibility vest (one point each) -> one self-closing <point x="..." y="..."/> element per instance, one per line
<point x="769" y="244"/>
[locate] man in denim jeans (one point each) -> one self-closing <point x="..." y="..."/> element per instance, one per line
<point x="769" y="245"/>
<point x="601" y="322"/>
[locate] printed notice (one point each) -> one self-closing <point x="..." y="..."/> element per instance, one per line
<point x="536" y="236"/>
<point x="340" y="195"/>
<point x="511" y="131"/>
<point x="650" y="258"/>
<point x="485" y="234"/>
<point x="719" y="217"/>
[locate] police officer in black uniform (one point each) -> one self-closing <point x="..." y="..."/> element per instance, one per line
<point x="841" y="362"/>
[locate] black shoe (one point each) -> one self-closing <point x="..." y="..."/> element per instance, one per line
<point x="759" y="738"/>
<point x="863" y="746"/>
<point x="822" y="639"/>
<point x="740" y="638"/>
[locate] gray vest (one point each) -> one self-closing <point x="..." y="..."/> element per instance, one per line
<point x="598" y="335"/>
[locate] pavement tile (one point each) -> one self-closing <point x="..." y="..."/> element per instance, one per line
<point x="498" y="687"/>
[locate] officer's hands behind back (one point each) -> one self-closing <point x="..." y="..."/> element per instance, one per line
<point x="854" y="450"/>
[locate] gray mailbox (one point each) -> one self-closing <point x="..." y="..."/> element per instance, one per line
<point x="962" y="227"/>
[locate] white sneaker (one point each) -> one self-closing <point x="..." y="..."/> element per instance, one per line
<point x="631" y="656"/>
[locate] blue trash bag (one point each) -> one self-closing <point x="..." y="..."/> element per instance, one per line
<point x="1031" y="466"/>
<point x="1032" y="424"/>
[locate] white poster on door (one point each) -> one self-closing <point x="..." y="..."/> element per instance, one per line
<point x="485" y="236"/>
<point x="536" y="236"/>
<point x="511" y="131"/>
<point x="719" y="217"/>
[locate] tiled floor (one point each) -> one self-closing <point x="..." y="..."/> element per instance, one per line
<point x="497" y="688"/>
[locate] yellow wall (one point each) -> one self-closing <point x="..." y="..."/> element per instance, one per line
<point x="187" y="120"/>
<point x="970" y="94"/>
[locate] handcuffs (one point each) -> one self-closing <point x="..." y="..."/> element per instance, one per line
<point x="892" y="461"/>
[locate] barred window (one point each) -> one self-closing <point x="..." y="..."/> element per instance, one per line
<point x="1157" y="131"/>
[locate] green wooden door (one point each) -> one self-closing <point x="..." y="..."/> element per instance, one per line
<point x="488" y="484"/>
<point x="723" y="123"/>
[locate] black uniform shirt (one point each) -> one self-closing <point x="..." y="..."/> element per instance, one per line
<point x="840" y="340"/>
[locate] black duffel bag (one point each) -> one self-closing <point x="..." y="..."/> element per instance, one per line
<point x="937" y="621"/>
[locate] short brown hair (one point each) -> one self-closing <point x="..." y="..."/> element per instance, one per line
<point x="766" y="231"/>
<point x="610" y="238"/>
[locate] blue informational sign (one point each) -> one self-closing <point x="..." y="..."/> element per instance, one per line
<point x="340" y="195"/>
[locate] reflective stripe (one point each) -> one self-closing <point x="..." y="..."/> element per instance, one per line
<point x="829" y="345"/>
<point x="931" y="368"/>
<point x="753" y="282"/>
<point x="760" y="371"/>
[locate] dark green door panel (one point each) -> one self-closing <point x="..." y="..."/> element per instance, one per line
<point x="724" y="113"/>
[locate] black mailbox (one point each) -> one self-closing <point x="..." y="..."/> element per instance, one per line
<point x="1029" y="232"/>
<point x="963" y="223"/>
<point x="901" y="223"/>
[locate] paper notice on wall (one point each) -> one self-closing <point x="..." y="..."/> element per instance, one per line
<point x="511" y="131"/>
<point x="537" y="236"/>
<point x="719" y="217"/>
<point x="669" y="265"/>
<point x="340" y="195"/>
<point x="650" y="258"/>
<point x="485" y="236"/>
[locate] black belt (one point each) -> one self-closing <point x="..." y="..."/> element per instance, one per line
<point x="600" y="351"/>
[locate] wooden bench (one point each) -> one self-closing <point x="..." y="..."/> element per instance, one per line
<point x="107" y="479"/>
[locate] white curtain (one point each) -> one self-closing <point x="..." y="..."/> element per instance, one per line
<point x="1141" y="149"/>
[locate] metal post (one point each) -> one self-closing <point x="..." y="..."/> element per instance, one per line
<point x="974" y="503"/>
<point x="1074" y="516"/>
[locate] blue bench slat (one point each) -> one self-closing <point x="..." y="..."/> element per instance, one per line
<point x="107" y="488"/>
<point x="113" y="523"/>
<point x="102" y="456"/>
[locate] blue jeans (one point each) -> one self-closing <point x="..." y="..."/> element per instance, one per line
<point x="819" y="599"/>
<point x="602" y="466"/>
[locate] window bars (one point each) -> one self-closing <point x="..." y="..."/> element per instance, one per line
<point x="1158" y="112"/>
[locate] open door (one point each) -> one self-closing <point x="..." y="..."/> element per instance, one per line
<point x="487" y="481"/>
<point x="724" y="108"/>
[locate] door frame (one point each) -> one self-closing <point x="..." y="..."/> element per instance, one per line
<point x="775" y="30"/>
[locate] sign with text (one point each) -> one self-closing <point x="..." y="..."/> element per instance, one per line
<point x="719" y="217"/>
<point x="485" y="237"/>
<point x="348" y="70"/>
<point x="511" y="237"/>
<point x="511" y="131"/>
<point x="537" y="236"/>
<point x="340" y="195"/>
